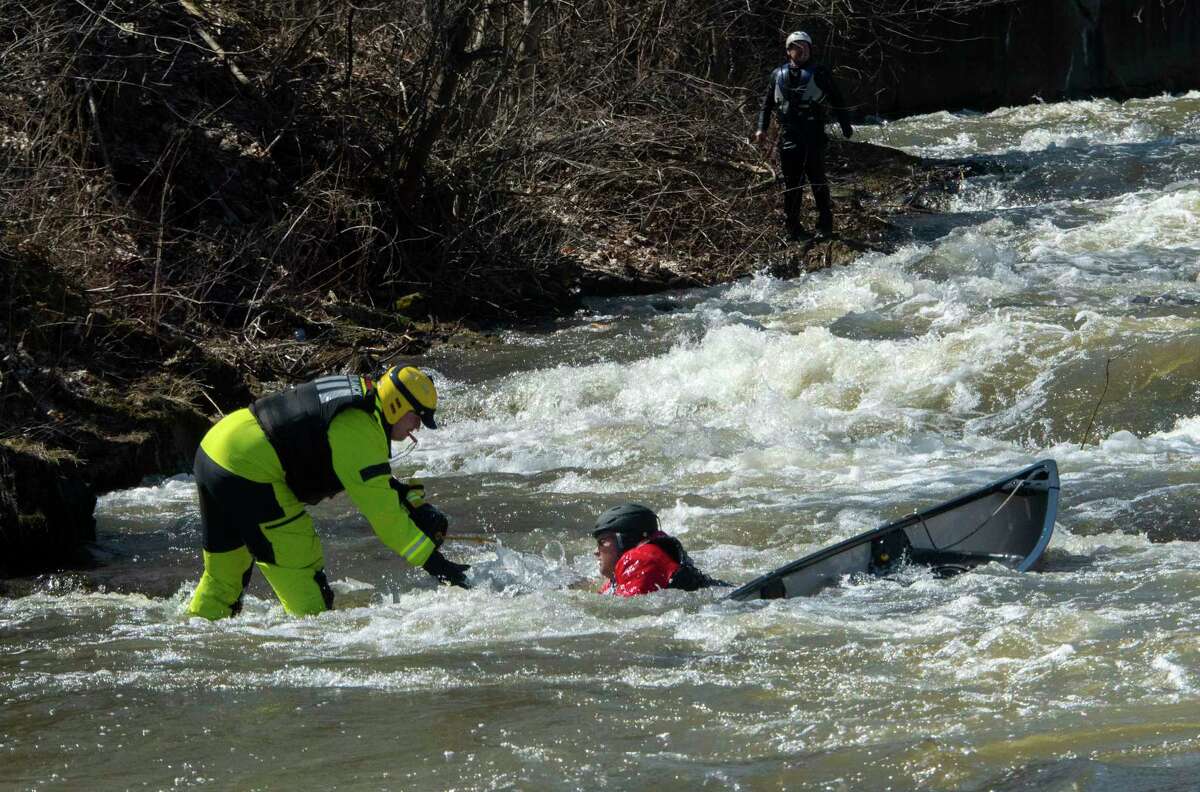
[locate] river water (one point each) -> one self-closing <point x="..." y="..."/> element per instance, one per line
<point x="1049" y="309"/>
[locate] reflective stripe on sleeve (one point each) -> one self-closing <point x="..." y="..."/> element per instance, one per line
<point x="414" y="547"/>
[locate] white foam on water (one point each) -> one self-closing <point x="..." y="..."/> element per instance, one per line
<point x="977" y="195"/>
<point x="770" y="418"/>
<point x="1041" y="666"/>
<point x="1176" y="449"/>
<point x="736" y="399"/>
<point x="967" y="269"/>
<point x="87" y="605"/>
<point x="996" y="633"/>
<point x="513" y="572"/>
<point x="174" y="497"/>
<point x="1159" y="220"/>
<point x="572" y="482"/>
<point x="406" y="680"/>
<point x="1175" y="675"/>
<point x="1039" y="127"/>
<point x="745" y="405"/>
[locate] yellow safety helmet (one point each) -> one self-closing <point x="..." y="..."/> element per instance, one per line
<point x="407" y="389"/>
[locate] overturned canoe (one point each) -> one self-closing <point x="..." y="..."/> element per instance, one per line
<point x="1007" y="522"/>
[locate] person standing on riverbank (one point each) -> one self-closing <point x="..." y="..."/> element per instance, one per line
<point x="258" y="467"/>
<point x="797" y="95"/>
<point x="636" y="557"/>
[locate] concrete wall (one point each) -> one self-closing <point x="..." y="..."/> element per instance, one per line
<point x="1042" y="49"/>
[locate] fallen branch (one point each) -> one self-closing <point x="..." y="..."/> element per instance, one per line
<point x="1107" y="364"/>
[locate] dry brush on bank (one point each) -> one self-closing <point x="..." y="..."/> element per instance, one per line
<point x="200" y="194"/>
<point x="202" y="162"/>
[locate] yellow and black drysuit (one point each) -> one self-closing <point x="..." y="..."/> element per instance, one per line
<point x="258" y="467"/>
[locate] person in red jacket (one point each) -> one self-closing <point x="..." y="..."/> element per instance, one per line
<point x="637" y="557"/>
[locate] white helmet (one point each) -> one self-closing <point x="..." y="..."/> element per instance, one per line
<point x="797" y="37"/>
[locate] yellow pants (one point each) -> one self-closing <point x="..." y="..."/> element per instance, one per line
<point x="251" y="518"/>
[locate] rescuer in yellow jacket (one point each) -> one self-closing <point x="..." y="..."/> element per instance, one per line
<point x="258" y="467"/>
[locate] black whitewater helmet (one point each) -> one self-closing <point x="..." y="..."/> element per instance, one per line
<point x="631" y="522"/>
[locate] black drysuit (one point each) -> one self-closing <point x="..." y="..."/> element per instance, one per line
<point x="797" y="95"/>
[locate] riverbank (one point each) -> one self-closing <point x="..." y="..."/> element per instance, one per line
<point x="1049" y="309"/>
<point x="206" y="199"/>
<point x="102" y="400"/>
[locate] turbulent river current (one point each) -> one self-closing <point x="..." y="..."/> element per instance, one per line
<point x="1050" y="308"/>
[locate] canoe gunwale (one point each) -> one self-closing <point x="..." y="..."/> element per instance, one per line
<point x="1019" y="484"/>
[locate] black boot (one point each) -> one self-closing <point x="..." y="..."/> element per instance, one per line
<point x="798" y="233"/>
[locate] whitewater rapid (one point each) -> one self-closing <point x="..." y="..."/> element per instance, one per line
<point x="1049" y="308"/>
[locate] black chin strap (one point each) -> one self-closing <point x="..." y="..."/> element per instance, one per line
<point x="383" y="421"/>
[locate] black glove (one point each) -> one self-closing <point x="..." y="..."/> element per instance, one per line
<point x="431" y="521"/>
<point x="847" y="130"/>
<point x="446" y="571"/>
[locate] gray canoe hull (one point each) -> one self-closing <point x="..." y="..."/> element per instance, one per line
<point x="1009" y="521"/>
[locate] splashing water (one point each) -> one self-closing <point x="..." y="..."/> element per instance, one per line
<point x="1055" y="299"/>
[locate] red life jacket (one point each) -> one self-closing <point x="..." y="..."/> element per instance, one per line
<point x="645" y="568"/>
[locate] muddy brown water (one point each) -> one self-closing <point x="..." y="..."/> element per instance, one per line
<point x="762" y="420"/>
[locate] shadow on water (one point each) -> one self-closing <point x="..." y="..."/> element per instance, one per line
<point x="1157" y="505"/>
<point x="1082" y="775"/>
<point x="1058" y="559"/>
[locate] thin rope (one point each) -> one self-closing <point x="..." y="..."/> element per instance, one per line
<point x="980" y="527"/>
